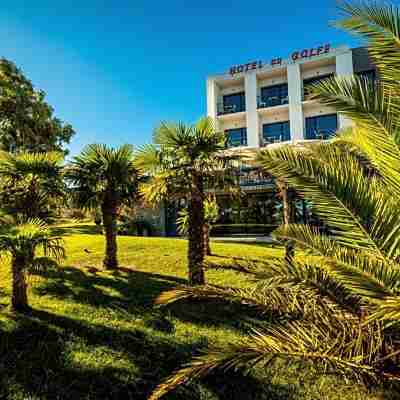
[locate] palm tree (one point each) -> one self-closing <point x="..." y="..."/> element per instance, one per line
<point x="211" y="212"/>
<point x="105" y="178"/>
<point x="344" y="288"/>
<point x="288" y="214"/>
<point x="31" y="184"/>
<point x="21" y="242"/>
<point x="182" y="163"/>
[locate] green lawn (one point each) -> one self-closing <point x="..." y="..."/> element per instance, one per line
<point x="95" y="334"/>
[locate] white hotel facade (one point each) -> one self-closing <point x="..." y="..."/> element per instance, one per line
<point x="265" y="104"/>
<point x="261" y="103"/>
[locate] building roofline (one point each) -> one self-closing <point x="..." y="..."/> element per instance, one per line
<point x="285" y="62"/>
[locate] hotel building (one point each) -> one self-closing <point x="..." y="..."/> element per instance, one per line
<point x="262" y="103"/>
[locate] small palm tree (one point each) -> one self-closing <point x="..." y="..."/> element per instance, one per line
<point x="22" y="242"/>
<point x="31" y="184"/>
<point x="182" y="163"/>
<point x="105" y="178"/>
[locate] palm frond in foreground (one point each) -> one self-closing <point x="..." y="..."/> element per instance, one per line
<point x="345" y="281"/>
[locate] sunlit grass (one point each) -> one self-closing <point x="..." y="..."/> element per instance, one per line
<point x="94" y="334"/>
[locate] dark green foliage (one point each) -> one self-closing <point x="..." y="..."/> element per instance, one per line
<point x="31" y="184"/>
<point x="229" y="229"/>
<point x="27" y="122"/>
<point x="136" y="227"/>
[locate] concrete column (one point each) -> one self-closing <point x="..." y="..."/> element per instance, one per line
<point x="250" y="85"/>
<point x="344" y="68"/>
<point x="295" y="91"/>
<point x="212" y="100"/>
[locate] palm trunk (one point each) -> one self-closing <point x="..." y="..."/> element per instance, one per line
<point x="19" y="297"/>
<point x="109" y="211"/>
<point x="196" y="233"/>
<point x="207" y="248"/>
<point x="288" y="217"/>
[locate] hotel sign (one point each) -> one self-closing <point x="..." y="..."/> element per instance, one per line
<point x="295" y="56"/>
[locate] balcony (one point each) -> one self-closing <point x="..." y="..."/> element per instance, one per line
<point x="321" y="127"/>
<point x="223" y="109"/>
<point x="265" y="102"/>
<point x="273" y="140"/>
<point x="255" y="178"/>
<point x="320" y="134"/>
<point x="276" y="132"/>
<point x="236" y="137"/>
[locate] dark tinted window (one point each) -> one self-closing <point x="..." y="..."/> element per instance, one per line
<point x="321" y="127"/>
<point x="234" y="103"/>
<point x="236" y="137"/>
<point x="276" y="132"/>
<point x="274" y="95"/>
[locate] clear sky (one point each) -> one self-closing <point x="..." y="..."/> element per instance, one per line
<point x="115" y="68"/>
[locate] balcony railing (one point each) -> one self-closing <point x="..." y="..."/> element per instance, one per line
<point x="276" y="139"/>
<point x="223" y="109"/>
<point x="255" y="177"/>
<point x="320" y="134"/>
<point x="264" y="102"/>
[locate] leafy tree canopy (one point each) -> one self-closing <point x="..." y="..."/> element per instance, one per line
<point x="27" y="121"/>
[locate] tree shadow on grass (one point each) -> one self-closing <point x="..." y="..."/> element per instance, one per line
<point x="239" y="259"/>
<point x="83" y="229"/>
<point x="37" y="361"/>
<point x="134" y="293"/>
<point x="125" y="287"/>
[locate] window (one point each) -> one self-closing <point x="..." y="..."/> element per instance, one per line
<point x="233" y="103"/>
<point x="321" y="127"/>
<point x="274" y="96"/>
<point x="236" y="137"/>
<point x="312" y="81"/>
<point x="276" y="132"/>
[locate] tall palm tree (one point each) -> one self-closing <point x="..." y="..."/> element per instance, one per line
<point x="31" y="184"/>
<point x="344" y="288"/>
<point x="105" y="178"/>
<point x="183" y="162"/>
<point x="22" y="242"/>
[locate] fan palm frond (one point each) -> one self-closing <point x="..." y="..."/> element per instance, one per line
<point x="333" y="350"/>
<point x="17" y="165"/>
<point x="247" y="297"/>
<point x="377" y="125"/>
<point x="379" y="25"/>
<point x="337" y="189"/>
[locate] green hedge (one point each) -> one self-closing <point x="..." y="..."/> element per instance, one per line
<point x="232" y="229"/>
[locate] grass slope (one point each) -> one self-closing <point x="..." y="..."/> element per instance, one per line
<point x="95" y="335"/>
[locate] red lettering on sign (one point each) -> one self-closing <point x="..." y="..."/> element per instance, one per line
<point x="276" y="61"/>
<point x="295" y="55"/>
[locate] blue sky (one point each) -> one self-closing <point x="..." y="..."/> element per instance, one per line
<point x="114" y="69"/>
